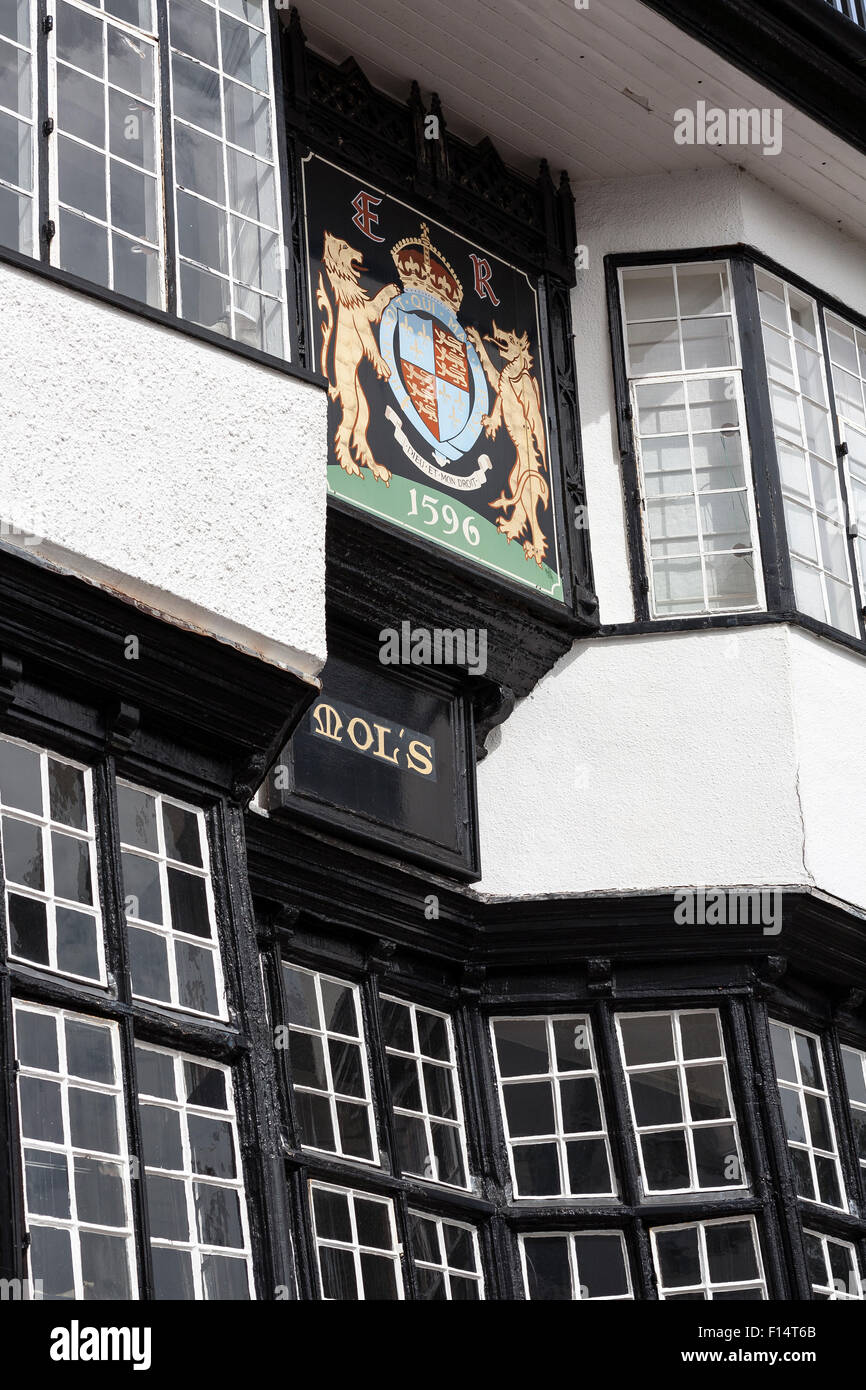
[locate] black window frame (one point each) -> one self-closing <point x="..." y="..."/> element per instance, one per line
<point x="772" y="537"/>
<point x="229" y="1043"/>
<point x="797" y="1010"/>
<point x="381" y="967"/>
<point x="338" y="956"/>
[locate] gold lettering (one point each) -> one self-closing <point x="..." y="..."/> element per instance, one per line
<point x="379" y="751"/>
<point x="424" y="757"/>
<point x="368" y="731"/>
<point x="328" y="722"/>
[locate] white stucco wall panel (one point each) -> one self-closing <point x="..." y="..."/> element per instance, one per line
<point x="803" y="243"/>
<point x="183" y="475"/>
<point x="829" y="696"/>
<point x="644" y="763"/>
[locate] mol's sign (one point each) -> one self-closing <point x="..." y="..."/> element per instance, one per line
<point x="387" y="757"/>
<point x="430" y="346"/>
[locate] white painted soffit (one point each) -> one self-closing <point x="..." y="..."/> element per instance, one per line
<point x="592" y="90"/>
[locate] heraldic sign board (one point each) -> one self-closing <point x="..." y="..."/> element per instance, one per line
<point x="431" y="349"/>
<point x="389" y="758"/>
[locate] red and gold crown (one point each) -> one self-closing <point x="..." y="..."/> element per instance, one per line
<point x="421" y="267"/>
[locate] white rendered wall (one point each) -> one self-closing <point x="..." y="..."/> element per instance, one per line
<point x="717" y="758"/>
<point x="183" y="475"/>
<point x="642" y="763"/>
<point x="829" y="689"/>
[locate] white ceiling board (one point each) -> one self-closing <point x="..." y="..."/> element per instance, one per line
<point x="547" y="80"/>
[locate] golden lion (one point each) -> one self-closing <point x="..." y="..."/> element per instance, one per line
<point x="353" y="341"/>
<point x="518" y="405"/>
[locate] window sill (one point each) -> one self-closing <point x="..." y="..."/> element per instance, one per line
<point x="703" y="622"/>
<point x="159" y="316"/>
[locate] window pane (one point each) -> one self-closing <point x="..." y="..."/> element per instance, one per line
<point x="157" y="834"/>
<point x="356" y="1245"/>
<point x="53" y="851"/>
<point x="231" y="275"/>
<point x="812" y="499"/>
<point x="806" y="1114"/>
<point x="118" y="201"/>
<point x="329" y="1069"/>
<point x="708" y="1258"/>
<point x="673" y="1104"/>
<point x="76" y="1183"/>
<point x="200" y="1207"/>
<point x="559" y="1107"/>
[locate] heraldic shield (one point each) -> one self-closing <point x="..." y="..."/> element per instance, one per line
<point x="428" y="346"/>
<point x="436" y="374"/>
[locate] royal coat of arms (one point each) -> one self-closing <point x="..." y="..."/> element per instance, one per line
<point x="434" y="394"/>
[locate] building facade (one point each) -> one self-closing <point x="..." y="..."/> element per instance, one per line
<point x="433" y="502"/>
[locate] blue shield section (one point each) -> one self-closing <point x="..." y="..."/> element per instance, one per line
<point x="416" y="341"/>
<point x="408" y="335"/>
<point x="454" y="405"/>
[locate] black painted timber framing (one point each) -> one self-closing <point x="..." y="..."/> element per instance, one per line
<point x="191" y="717"/>
<point x="326" y="906"/>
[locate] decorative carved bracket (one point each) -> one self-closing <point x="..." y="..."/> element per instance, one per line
<point x="122" y="722"/>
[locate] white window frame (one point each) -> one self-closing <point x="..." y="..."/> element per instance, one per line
<point x="354" y="1245"/>
<point x="799" y="395"/>
<point x="830" y="1287"/>
<point x="686" y="1124"/>
<point x="559" y="1135"/>
<point x="802" y="1091"/>
<point x="577" y="1286"/>
<point x="166" y="929"/>
<point x="331" y="1094"/>
<point x="846" y="427"/>
<point x="29" y="118"/>
<point x="858" y="1105"/>
<point x="425" y="1114"/>
<point x="706" y="1286"/>
<point x="225" y="145"/>
<point x="681" y="377"/>
<point x="46" y="895"/>
<point x="196" y="1247"/>
<point x="443" y="1267"/>
<point x="71" y="1152"/>
<point x="151" y="39"/>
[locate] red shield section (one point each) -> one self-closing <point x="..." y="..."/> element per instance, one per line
<point x="450" y="357"/>
<point x="421" y="386"/>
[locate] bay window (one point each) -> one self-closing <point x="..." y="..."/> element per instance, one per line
<point x="742" y="407"/>
<point x="157" y="154"/>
